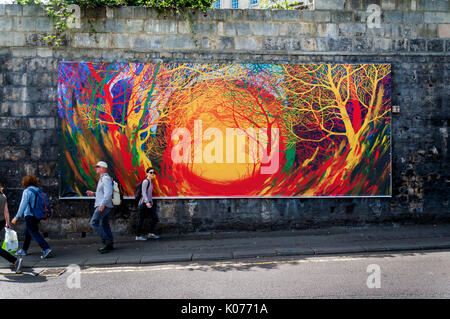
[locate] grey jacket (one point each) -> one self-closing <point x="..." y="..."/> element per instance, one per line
<point x="104" y="192"/>
<point x="147" y="191"/>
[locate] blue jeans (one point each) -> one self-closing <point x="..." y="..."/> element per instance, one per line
<point x="32" y="232"/>
<point x="100" y="223"/>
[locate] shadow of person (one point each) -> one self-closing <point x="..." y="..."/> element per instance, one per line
<point x="25" y="277"/>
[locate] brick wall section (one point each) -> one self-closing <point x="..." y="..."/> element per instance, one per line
<point x="414" y="37"/>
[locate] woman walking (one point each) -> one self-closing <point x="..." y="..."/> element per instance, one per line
<point x="147" y="206"/>
<point x="30" y="183"/>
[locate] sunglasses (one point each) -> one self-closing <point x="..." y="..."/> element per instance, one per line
<point x="151" y="172"/>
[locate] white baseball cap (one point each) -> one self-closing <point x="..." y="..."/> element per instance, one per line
<point x="101" y="164"/>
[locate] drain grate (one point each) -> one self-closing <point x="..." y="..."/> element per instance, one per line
<point x="52" y="272"/>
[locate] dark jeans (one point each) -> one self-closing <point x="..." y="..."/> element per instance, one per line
<point x="3" y="252"/>
<point x="32" y="232"/>
<point x="143" y="212"/>
<point x="100" y="223"/>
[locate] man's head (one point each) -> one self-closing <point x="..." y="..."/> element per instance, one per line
<point x="101" y="168"/>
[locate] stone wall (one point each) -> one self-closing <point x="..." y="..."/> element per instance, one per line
<point x="412" y="35"/>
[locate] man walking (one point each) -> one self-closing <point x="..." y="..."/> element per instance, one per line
<point x="103" y="207"/>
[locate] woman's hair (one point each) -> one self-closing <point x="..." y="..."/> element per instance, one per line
<point x="148" y="169"/>
<point x="29" y="180"/>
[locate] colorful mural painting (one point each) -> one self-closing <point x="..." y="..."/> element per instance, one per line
<point x="227" y="130"/>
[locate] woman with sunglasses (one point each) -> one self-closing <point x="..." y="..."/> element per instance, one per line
<point x="147" y="206"/>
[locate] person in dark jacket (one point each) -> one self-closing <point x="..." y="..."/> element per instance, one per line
<point x="146" y="207"/>
<point x="16" y="262"/>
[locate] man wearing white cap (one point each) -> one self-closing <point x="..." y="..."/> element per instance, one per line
<point x="103" y="207"/>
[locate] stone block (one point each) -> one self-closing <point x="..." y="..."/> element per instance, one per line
<point x="388" y="4"/>
<point x="134" y="26"/>
<point x="329" y="4"/>
<point x="181" y="42"/>
<point x="437" y="17"/>
<point x="267" y="29"/>
<point x="44" y="25"/>
<point x="298" y="29"/>
<point x="382" y="44"/>
<point x="352" y="29"/>
<point x="286" y="15"/>
<point x="86" y="40"/>
<point x="2" y="9"/>
<point x="16" y="109"/>
<point x="433" y="5"/>
<point x="203" y="28"/>
<point x="247" y="43"/>
<point x="13" y="153"/>
<point x="363" y="44"/>
<point x="342" y="16"/>
<point x="281" y="44"/>
<point x="418" y="45"/>
<point x="6" y="24"/>
<point x="41" y="123"/>
<point x="148" y="42"/>
<point x="161" y="27"/>
<point x="340" y="44"/>
<point x="258" y="15"/>
<point x="392" y="17"/>
<point x="25" y="24"/>
<point x="436" y="45"/>
<point x="329" y="30"/>
<point x="33" y="11"/>
<point x="122" y="41"/>
<point x="12" y="39"/>
<point x="412" y="17"/>
<point x="237" y="28"/>
<point x="13" y="10"/>
<point x="316" y="16"/>
<point x="444" y="31"/>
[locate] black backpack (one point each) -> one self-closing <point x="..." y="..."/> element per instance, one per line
<point x="138" y="191"/>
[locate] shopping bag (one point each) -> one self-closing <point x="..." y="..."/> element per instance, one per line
<point x="11" y="243"/>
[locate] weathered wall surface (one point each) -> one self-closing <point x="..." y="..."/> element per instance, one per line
<point x="412" y="35"/>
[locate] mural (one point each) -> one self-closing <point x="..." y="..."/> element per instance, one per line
<point x="227" y="130"/>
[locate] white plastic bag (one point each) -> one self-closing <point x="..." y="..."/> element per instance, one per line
<point x="11" y="243"/>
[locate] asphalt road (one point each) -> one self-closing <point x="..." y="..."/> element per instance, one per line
<point x="399" y="275"/>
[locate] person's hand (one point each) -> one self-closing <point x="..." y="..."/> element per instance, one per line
<point x="90" y="193"/>
<point x="7" y="224"/>
<point x="149" y="205"/>
<point x="14" y="221"/>
<point x="101" y="208"/>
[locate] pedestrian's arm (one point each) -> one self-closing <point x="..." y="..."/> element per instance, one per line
<point x="6" y="213"/>
<point x="22" y="206"/>
<point x="107" y="190"/>
<point x="144" y="191"/>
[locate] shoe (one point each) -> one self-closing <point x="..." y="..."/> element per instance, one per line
<point x="152" y="236"/>
<point x="18" y="266"/>
<point x="141" y="238"/>
<point x="21" y="252"/>
<point x="106" y="248"/>
<point x="46" y="253"/>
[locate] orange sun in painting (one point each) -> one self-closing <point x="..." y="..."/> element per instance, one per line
<point x="225" y="134"/>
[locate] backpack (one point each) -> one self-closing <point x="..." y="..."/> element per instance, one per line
<point x="138" y="191"/>
<point x="41" y="209"/>
<point x="117" y="193"/>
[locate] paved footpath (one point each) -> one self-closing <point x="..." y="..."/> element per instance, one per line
<point x="234" y="245"/>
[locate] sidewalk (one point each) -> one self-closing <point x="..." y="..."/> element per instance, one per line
<point x="234" y="245"/>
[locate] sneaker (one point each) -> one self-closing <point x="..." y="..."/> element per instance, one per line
<point x="141" y="238"/>
<point x="152" y="236"/>
<point x="46" y="253"/>
<point x="21" y="252"/>
<point x="18" y="266"/>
